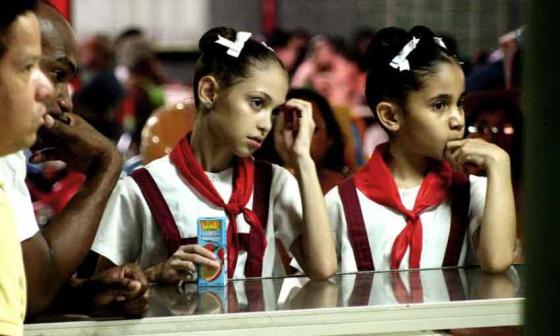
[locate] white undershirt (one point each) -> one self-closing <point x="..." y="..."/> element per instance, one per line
<point x="127" y="232"/>
<point x="383" y="225"/>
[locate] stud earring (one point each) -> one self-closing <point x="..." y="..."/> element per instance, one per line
<point x="207" y="105"/>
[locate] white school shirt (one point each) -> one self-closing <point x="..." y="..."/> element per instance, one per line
<point x="383" y="225"/>
<point x="128" y="233"/>
<point x="12" y="172"/>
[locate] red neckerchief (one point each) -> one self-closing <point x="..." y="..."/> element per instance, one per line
<point x="243" y="179"/>
<point x="376" y="181"/>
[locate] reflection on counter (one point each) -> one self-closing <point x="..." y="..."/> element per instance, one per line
<point x="357" y="303"/>
<point x="345" y="290"/>
<point x="427" y="286"/>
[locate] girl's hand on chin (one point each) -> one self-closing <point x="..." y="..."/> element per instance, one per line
<point x="475" y="156"/>
<point x="293" y="133"/>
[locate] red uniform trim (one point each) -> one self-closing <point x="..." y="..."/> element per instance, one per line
<point x="361" y="292"/>
<point x="159" y="208"/>
<point x="454" y="285"/>
<point x="356" y="227"/>
<point x="357" y="233"/>
<point x="461" y="194"/>
<point x="164" y="219"/>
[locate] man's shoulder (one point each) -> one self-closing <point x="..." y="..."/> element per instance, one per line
<point x="12" y="162"/>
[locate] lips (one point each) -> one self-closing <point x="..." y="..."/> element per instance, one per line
<point x="255" y="142"/>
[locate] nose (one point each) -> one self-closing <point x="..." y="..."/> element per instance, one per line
<point x="457" y="119"/>
<point x="264" y="123"/>
<point x="64" y="100"/>
<point x="44" y="90"/>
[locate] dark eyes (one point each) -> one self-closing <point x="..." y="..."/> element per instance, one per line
<point x="57" y="75"/>
<point x="28" y="67"/>
<point x="29" y="64"/>
<point x="439" y="105"/>
<point x="257" y="103"/>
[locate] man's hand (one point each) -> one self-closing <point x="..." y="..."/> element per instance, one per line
<point x="125" y="286"/>
<point x="71" y="139"/>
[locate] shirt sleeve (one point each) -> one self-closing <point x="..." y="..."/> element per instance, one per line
<point x="119" y="237"/>
<point x="13" y="172"/>
<point x="478" y="186"/>
<point x="12" y="277"/>
<point x="26" y="222"/>
<point x="286" y="206"/>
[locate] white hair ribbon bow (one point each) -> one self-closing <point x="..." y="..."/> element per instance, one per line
<point x="400" y="62"/>
<point x="266" y="45"/>
<point x="439" y="41"/>
<point x="234" y="47"/>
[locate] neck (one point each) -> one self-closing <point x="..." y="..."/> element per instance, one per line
<point x="408" y="168"/>
<point x="212" y="155"/>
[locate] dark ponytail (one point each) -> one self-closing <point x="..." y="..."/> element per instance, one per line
<point x="228" y="70"/>
<point x="384" y="82"/>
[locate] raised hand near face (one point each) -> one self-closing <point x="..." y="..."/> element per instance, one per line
<point x="466" y="154"/>
<point x="294" y="131"/>
<point x="71" y="139"/>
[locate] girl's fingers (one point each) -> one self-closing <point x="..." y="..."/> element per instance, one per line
<point x="454" y="155"/>
<point x="279" y="121"/>
<point x="449" y="153"/>
<point x="182" y="265"/>
<point x="200" y="260"/>
<point x="302" y="139"/>
<point x="191" y="260"/>
<point x="465" y="161"/>
<point x="474" y="159"/>
<point x="282" y="135"/>
<point x="457" y="158"/>
<point x="195" y="254"/>
<point x="197" y="249"/>
<point x="287" y="136"/>
<point x="304" y="109"/>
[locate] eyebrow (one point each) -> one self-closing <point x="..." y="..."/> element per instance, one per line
<point x="446" y="96"/>
<point x="266" y="95"/>
<point x="442" y="96"/>
<point x="32" y="58"/>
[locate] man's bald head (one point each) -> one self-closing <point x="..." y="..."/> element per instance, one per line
<point x="59" y="55"/>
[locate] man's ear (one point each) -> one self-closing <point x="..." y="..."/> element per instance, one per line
<point x="208" y="91"/>
<point x="389" y="115"/>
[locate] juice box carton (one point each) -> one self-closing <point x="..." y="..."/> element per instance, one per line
<point x="212" y="236"/>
